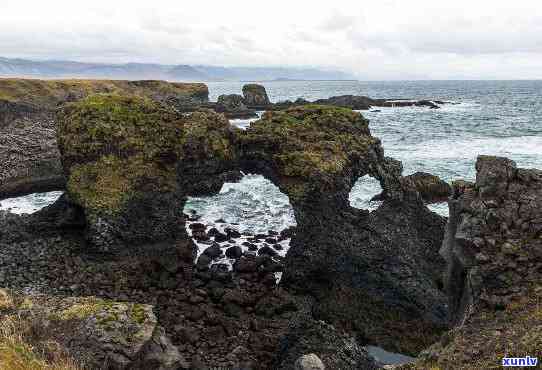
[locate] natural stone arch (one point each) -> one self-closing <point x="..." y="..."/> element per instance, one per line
<point x="131" y="163"/>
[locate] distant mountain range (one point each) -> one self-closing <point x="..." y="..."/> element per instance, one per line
<point x="138" y="71"/>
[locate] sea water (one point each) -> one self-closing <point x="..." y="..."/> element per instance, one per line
<point x="491" y="117"/>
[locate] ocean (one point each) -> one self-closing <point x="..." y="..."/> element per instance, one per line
<point x="491" y="117"/>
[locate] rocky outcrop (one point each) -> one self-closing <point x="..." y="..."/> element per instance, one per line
<point x="317" y="345"/>
<point x="29" y="158"/>
<point x="130" y="162"/>
<point x="255" y="96"/>
<point x="30" y="161"/>
<point x="376" y="275"/>
<point x="493" y="249"/>
<point x="431" y="188"/>
<point x="233" y="106"/>
<point x="348" y="101"/>
<point x="99" y="333"/>
<point x="215" y="317"/>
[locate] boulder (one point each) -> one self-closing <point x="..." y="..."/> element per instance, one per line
<point x="494" y="267"/>
<point x="95" y="331"/>
<point x="254" y="95"/>
<point x="316" y="345"/>
<point x="309" y="362"/>
<point x="431" y="188"/>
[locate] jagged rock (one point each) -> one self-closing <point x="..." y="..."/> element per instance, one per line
<point x="130" y="162"/>
<point x="327" y="348"/>
<point x="95" y="331"/>
<point x="493" y="250"/>
<point x="29" y="159"/>
<point x="431" y="188"/>
<point x="233" y="106"/>
<point x="255" y="95"/>
<point x="376" y="274"/>
<point x="348" y="101"/>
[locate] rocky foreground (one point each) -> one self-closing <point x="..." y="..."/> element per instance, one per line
<point x="112" y="270"/>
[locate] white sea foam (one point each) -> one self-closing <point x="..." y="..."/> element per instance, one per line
<point x="29" y="203"/>
<point x="363" y="191"/>
<point x="254" y="203"/>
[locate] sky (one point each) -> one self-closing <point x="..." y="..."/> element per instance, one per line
<point x="376" y="40"/>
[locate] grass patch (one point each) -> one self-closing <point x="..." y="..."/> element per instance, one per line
<point x="20" y="351"/>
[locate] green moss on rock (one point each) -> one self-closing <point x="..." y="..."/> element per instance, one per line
<point x="47" y="94"/>
<point x="310" y="146"/>
<point x="130" y="162"/>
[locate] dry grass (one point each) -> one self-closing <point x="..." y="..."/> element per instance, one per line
<point x="22" y="348"/>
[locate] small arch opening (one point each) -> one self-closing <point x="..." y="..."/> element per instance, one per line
<point x="440" y="209"/>
<point x="251" y="216"/>
<point x="364" y="192"/>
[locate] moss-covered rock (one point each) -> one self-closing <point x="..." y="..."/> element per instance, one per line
<point x="48" y="94"/>
<point x="31" y="161"/>
<point x="119" y="156"/>
<point x="95" y="331"/>
<point x="130" y="162"/>
<point x="312" y="152"/>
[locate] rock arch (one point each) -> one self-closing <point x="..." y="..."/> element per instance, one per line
<point x="131" y="163"/>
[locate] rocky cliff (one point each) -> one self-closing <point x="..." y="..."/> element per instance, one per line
<point x="29" y="158"/>
<point x="493" y="249"/>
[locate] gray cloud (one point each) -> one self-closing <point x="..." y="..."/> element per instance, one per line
<point x="389" y="39"/>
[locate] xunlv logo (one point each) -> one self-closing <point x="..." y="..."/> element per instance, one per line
<point x="519" y="361"/>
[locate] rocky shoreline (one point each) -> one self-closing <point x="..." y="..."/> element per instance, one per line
<point x="124" y="280"/>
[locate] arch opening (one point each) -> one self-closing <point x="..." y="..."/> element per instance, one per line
<point x="363" y="193"/>
<point x="251" y="216"/>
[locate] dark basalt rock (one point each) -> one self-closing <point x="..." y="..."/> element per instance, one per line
<point x="234" y="252"/>
<point x="431" y="188"/>
<point x="371" y="273"/>
<point x="494" y="254"/>
<point x="31" y="161"/>
<point x="233" y="106"/>
<point x="254" y="95"/>
<point x="348" y="101"/>
<point x="335" y="349"/>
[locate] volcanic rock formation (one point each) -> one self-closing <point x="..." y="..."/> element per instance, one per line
<point x="29" y="159"/>
<point x="255" y="96"/>
<point x="493" y="248"/>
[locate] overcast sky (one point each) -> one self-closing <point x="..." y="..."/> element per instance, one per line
<point x="383" y="39"/>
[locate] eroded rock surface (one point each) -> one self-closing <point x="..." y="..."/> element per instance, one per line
<point x="375" y="274"/>
<point x="431" y="188"/>
<point x="130" y="163"/>
<point x="102" y="334"/>
<point x="493" y="248"/>
<point x="234" y="106"/>
<point x="255" y="96"/>
<point x="29" y="158"/>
